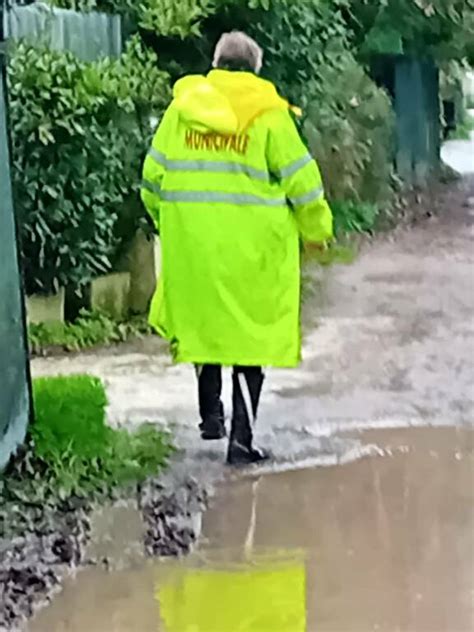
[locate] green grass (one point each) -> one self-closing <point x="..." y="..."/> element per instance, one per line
<point x="89" y="330"/>
<point x="70" y="416"/>
<point x="72" y="453"/>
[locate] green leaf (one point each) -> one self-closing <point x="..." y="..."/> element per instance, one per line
<point x="45" y="135"/>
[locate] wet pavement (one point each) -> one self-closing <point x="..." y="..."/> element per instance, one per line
<point x="381" y="544"/>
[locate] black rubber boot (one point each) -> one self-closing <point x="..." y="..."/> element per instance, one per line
<point x="213" y="426"/>
<point x="211" y="409"/>
<point x="247" y="386"/>
<point x="239" y="455"/>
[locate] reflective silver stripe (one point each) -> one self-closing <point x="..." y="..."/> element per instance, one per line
<point x="217" y="167"/>
<point x="245" y="391"/>
<point x="211" y="166"/>
<point x="241" y="199"/>
<point x="311" y="196"/>
<point x="157" y="156"/>
<point x="293" y="167"/>
<point x="152" y="188"/>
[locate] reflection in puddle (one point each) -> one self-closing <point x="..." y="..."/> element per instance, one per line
<point x="266" y="594"/>
<point x="382" y="544"/>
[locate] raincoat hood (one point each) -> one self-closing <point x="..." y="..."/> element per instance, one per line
<point x="225" y="102"/>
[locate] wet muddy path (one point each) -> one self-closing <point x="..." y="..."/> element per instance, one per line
<point x="388" y="342"/>
<point x="378" y="539"/>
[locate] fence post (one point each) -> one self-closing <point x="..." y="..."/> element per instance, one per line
<point x="15" y="391"/>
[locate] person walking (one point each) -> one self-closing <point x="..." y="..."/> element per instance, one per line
<point x="232" y="191"/>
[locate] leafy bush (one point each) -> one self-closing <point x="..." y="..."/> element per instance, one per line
<point x="353" y="216"/>
<point x="439" y="28"/>
<point x="349" y="121"/>
<point x="79" y="133"/>
<point x="350" y="130"/>
<point x="88" y="330"/>
<point x="300" y="39"/>
<point x="312" y="53"/>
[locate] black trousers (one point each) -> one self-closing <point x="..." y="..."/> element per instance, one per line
<point x="247" y="382"/>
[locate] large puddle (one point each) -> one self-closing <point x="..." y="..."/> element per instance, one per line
<point x="384" y="543"/>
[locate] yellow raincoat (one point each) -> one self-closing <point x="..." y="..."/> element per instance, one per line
<point x="231" y="188"/>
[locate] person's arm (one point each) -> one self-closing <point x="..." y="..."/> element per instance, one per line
<point x="154" y="169"/>
<point x="290" y="162"/>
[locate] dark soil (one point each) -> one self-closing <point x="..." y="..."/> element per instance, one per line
<point x="54" y="537"/>
<point x="170" y="516"/>
<point x="32" y="565"/>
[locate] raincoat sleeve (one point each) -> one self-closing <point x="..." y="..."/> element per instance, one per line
<point x="154" y="169"/>
<point x="299" y="176"/>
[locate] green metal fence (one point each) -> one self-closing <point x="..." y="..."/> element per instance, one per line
<point x="15" y="404"/>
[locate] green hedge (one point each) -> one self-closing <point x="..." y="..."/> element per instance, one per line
<point x="79" y="134"/>
<point x="80" y="130"/>
<point x="348" y="121"/>
<point x="350" y="128"/>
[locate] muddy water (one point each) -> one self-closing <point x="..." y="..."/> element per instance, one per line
<point x="384" y="543"/>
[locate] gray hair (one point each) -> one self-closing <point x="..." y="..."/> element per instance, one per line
<point x="238" y="47"/>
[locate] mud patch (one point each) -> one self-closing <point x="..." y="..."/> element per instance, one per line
<point x="172" y="517"/>
<point x="161" y="519"/>
<point x="32" y="566"/>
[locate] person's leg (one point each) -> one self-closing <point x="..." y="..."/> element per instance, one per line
<point x="211" y="408"/>
<point x="247" y="387"/>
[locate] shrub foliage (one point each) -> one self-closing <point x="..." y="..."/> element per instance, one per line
<point x="79" y="133"/>
<point x="80" y="130"/>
